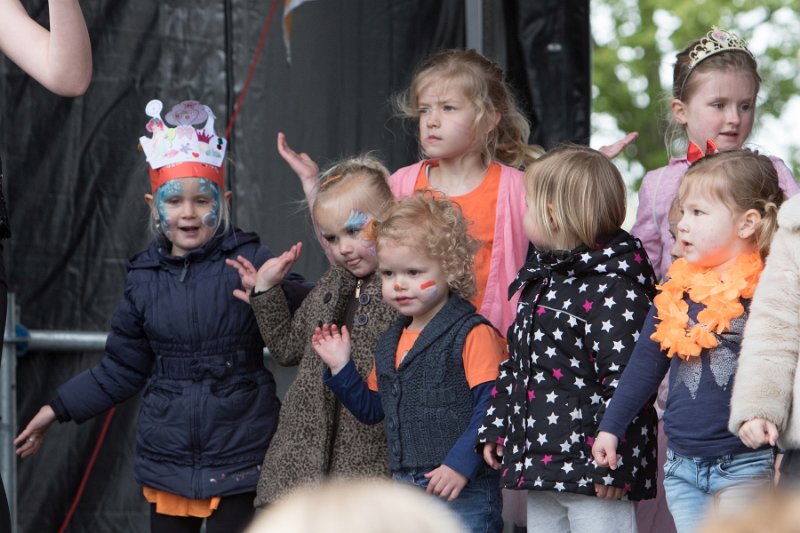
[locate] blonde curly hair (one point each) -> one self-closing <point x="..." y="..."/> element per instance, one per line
<point x="436" y="226"/>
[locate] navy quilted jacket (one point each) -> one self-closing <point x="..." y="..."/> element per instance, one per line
<point x="209" y="407"/>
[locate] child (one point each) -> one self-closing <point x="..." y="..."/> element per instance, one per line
<point x="763" y="409"/>
<point x="209" y="408"/>
<point x="434" y="366"/>
<point x="729" y="203"/>
<point x="316" y="437"/>
<point x="584" y="294"/>
<point x="473" y="137"/>
<point x="714" y="88"/>
<point x="357" y="506"/>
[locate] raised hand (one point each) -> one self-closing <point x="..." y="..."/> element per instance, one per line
<point x="604" y="450"/>
<point x="757" y="432"/>
<point x="305" y="167"/>
<point x="614" y="149"/>
<point x="269" y="275"/>
<point x="332" y="345"/>
<point x="30" y="440"/>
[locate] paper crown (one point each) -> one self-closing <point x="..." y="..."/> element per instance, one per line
<point x="714" y="42"/>
<point x="183" y="151"/>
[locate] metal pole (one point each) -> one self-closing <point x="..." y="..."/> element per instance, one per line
<point x="474" y="16"/>
<point x="8" y="412"/>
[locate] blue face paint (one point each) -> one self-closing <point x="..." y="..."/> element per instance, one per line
<point x="356" y="221"/>
<point x="206" y="186"/>
<point x="165" y="192"/>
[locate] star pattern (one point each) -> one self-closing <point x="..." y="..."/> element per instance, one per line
<point x="568" y="346"/>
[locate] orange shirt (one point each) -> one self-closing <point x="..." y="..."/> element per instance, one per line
<point x="174" y="505"/>
<point x="479" y="207"/>
<point x="484" y="350"/>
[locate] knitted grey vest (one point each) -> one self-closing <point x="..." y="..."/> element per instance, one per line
<point x="427" y="400"/>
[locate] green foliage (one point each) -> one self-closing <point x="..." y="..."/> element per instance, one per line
<point x="634" y="49"/>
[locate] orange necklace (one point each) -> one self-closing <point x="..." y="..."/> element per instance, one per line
<point x="719" y="295"/>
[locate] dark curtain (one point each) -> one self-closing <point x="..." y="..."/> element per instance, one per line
<point x="75" y="179"/>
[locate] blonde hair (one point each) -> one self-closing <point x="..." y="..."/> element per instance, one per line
<point x="359" y="182"/>
<point x="742" y="180"/>
<point x="357" y="506"/>
<point x="436" y="226"/>
<point x="685" y="81"/>
<point x="484" y="85"/>
<point x="576" y="194"/>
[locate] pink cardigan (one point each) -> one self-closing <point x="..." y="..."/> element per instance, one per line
<point x="510" y="242"/>
<point x="659" y="188"/>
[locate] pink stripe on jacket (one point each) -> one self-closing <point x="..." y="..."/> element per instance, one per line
<point x="510" y="242"/>
<point x="659" y="188"/>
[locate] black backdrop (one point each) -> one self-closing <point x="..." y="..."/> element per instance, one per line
<point x="75" y="179"/>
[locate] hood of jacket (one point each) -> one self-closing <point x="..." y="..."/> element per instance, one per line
<point x="620" y="255"/>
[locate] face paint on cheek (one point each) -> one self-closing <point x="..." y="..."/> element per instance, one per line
<point x="168" y="190"/>
<point x="211" y="219"/>
<point x="429" y="289"/>
<point x="358" y="221"/>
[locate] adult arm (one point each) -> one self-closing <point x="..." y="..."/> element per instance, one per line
<point x="61" y="58"/>
<point x="763" y="387"/>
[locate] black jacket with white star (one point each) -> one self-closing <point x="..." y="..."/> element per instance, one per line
<point x="578" y="319"/>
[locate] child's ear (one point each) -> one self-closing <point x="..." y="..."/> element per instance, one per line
<point x="749" y="221"/>
<point x="678" y="108"/>
<point x="149" y="199"/>
<point x="228" y="195"/>
<point x="551" y="218"/>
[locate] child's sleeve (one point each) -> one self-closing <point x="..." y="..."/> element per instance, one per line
<point x="785" y="178"/>
<point x="645" y="227"/>
<point x="764" y="383"/>
<point x="494" y="426"/>
<point x="483" y="352"/>
<point x="355" y="394"/>
<point x="286" y="336"/>
<point x="120" y="374"/>
<point x="613" y="335"/>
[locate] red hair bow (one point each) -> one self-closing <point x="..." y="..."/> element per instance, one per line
<point x="694" y="154"/>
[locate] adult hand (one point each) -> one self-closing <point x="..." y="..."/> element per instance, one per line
<point x="30" y="440"/>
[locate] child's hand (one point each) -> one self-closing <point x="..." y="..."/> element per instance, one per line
<point x="269" y="275"/>
<point x="757" y="432"/>
<point x="332" y="346"/>
<point x="305" y="167"/>
<point x="604" y="450"/>
<point x="493" y="454"/>
<point x="613" y="150"/>
<point x="445" y="482"/>
<point x="30" y="440"/>
<point x="606" y="492"/>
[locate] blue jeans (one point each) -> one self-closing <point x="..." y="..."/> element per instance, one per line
<point x="696" y="486"/>
<point x="480" y="504"/>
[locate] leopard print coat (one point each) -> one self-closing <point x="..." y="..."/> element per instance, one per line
<point x="316" y="435"/>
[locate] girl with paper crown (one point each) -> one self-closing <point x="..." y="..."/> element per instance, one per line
<point x="209" y="408"/>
